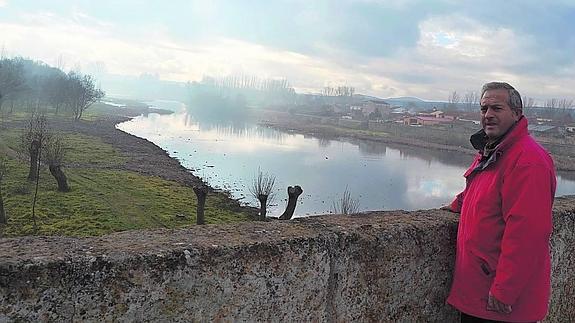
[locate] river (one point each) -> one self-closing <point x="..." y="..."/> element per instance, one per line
<point x="381" y="177"/>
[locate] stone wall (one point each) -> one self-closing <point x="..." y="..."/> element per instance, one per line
<point x="381" y="266"/>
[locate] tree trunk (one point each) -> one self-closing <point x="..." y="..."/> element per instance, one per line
<point x="201" y="193"/>
<point x="34" y="155"/>
<point x="293" y="193"/>
<point x="263" y="204"/>
<point x="3" y="219"/>
<point x="60" y="177"/>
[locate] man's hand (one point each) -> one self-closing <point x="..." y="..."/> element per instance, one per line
<point x="493" y="304"/>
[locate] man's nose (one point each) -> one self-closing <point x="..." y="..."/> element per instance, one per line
<point x="488" y="113"/>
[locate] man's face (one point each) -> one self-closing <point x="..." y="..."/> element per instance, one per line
<point x="496" y="115"/>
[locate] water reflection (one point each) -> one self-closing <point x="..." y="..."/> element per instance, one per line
<point x="371" y="148"/>
<point x="228" y="154"/>
<point x="323" y="142"/>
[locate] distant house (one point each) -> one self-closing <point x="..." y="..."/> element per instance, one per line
<point x="399" y="110"/>
<point x="437" y="114"/>
<point x="378" y="104"/>
<point x="366" y="108"/>
<point x="426" y="121"/>
<point x="433" y="114"/>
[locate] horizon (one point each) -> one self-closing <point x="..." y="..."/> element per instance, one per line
<point x="386" y="49"/>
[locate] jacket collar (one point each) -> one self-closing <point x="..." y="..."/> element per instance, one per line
<point x="479" y="141"/>
<point x="517" y="131"/>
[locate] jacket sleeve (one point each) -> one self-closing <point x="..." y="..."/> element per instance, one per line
<point x="457" y="202"/>
<point x="527" y="198"/>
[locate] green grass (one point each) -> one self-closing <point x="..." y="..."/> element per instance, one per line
<point x="81" y="150"/>
<point x="103" y="198"/>
<point x="88" y="150"/>
<point x="9" y="139"/>
<point x="102" y="201"/>
<point x="97" y="110"/>
<point x="351" y="132"/>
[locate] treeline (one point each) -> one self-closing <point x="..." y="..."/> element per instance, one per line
<point x="227" y="98"/>
<point x="555" y="108"/>
<point x="472" y="98"/>
<point x="35" y="87"/>
<point x="338" y="91"/>
<point x="248" y="83"/>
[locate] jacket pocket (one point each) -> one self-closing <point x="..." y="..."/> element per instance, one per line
<point x="485" y="268"/>
<point x="483" y="265"/>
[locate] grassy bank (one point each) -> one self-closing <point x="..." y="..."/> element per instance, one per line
<point x="105" y="197"/>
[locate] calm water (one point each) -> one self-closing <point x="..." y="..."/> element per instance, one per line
<point x="380" y="176"/>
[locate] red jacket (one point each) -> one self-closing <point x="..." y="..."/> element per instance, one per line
<point x="504" y="231"/>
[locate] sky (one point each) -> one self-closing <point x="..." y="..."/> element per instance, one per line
<point x="385" y="48"/>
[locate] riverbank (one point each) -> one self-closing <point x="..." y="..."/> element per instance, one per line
<point x="119" y="182"/>
<point x="302" y="124"/>
<point x="332" y="132"/>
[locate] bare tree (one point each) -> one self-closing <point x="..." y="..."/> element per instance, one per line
<point x="338" y="91"/>
<point x="476" y="98"/>
<point x="55" y="152"/>
<point x="470" y="99"/>
<point x="11" y="79"/>
<point x="32" y="142"/>
<point x="528" y="102"/>
<point x="550" y="110"/>
<point x="60" y="63"/>
<point x="552" y="103"/>
<point x="3" y="170"/>
<point x="55" y="87"/>
<point x="346" y="204"/>
<point x="565" y="103"/>
<point x="263" y="190"/>
<point x="82" y="93"/>
<point x="453" y="99"/>
<point x="201" y="192"/>
<point x="293" y="193"/>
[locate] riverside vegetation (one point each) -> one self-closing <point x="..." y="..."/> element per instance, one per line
<point x="105" y="197"/>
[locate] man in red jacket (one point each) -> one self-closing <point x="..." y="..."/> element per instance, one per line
<point x="502" y="268"/>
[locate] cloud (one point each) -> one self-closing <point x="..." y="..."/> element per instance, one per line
<point x="158" y="52"/>
<point x="384" y="48"/>
<point x="3" y="3"/>
<point x="460" y="53"/>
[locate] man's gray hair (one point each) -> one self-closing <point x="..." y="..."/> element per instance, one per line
<point x="514" y="100"/>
